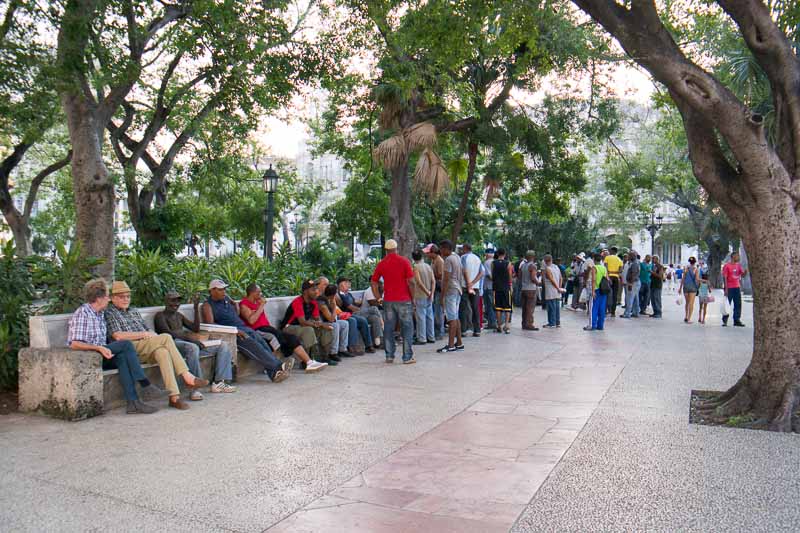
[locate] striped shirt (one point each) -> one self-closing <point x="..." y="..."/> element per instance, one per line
<point x="88" y="326"/>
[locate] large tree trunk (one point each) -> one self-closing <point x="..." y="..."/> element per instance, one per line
<point x="458" y="225"/>
<point x="400" y="210"/>
<point x="759" y="192"/>
<point x="770" y="387"/>
<point x="21" y="230"/>
<point x="93" y="189"/>
<point x="717" y="250"/>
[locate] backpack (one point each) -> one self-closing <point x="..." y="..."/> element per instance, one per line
<point x="605" y="286"/>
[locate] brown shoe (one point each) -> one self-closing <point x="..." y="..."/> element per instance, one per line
<point x="177" y="403"/>
<point x="198" y="383"/>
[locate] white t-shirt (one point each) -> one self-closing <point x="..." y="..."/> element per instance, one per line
<point x="366" y="297"/>
<point x="472" y="265"/>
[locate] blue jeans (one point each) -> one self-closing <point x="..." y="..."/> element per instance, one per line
<point x="554" y="312"/>
<point x="126" y="360"/>
<point x="253" y="346"/>
<point x="488" y="308"/>
<point x="632" y="301"/>
<point x="734" y="298"/>
<point x="359" y="326"/>
<point x="599" y="310"/>
<point x="403" y="312"/>
<point x="438" y="314"/>
<point x="424" y="315"/>
<point x="223" y="362"/>
<point x="644" y="297"/>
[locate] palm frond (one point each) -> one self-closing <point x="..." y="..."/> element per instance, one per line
<point x="420" y="136"/>
<point x="392" y="152"/>
<point x="430" y="176"/>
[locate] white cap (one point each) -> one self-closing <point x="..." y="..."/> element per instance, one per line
<point x="217" y="284"/>
<point x="391" y="244"/>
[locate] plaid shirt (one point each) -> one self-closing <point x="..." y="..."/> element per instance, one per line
<point x="128" y="321"/>
<point x="87" y="325"/>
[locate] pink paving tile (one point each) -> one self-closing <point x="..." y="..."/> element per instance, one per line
<point x="459" y="476"/>
<point x="490" y="429"/>
<point x="364" y="517"/>
<point x="377" y="496"/>
<point x="501" y="513"/>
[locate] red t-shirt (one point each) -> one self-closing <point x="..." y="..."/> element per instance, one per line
<point x="732" y="273"/>
<point x="262" y="319"/>
<point x="395" y="271"/>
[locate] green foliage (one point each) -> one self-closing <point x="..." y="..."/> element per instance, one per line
<point x="63" y="277"/>
<point x="150" y="274"/>
<point x="16" y="298"/>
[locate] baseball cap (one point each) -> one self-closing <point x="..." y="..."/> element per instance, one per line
<point x="307" y="284"/>
<point x="217" y="284"/>
<point x="391" y="244"/>
<point x="341" y="279"/>
<point x="172" y="294"/>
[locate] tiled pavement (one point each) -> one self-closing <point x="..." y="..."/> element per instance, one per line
<point x="524" y="431"/>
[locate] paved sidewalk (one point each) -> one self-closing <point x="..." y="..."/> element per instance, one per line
<point x="491" y="439"/>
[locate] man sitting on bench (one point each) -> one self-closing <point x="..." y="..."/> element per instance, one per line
<point x="126" y="324"/>
<point x="221" y="309"/>
<point x="187" y="337"/>
<point x="87" y="331"/>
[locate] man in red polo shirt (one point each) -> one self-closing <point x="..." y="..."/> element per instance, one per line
<point x="398" y="282"/>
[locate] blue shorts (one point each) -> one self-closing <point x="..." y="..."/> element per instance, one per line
<point x="451" y="303"/>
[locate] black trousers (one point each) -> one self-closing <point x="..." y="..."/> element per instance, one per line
<point x="616" y="287"/>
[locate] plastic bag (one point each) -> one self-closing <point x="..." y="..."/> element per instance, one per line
<point x="584" y="296"/>
<point x="723" y="306"/>
<point x="679" y="301"/>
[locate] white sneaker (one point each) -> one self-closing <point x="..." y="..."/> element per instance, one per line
<point x="196" y="395"/>
<point x="315" y="366"/>
<point x="222" y="387"/>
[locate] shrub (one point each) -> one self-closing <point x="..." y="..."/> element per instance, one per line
<point x="61" y="279"/>
<point x="16" y="297"/>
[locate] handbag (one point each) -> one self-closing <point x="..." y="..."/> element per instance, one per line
<point x="711" y="299"/>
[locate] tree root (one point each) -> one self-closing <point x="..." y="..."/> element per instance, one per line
<point x="782" y="421"/>
<point x="713" y="403"/>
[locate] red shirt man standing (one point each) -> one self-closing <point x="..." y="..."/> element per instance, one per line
<point x="398" y="279"/>
<point x="732" y="274"/>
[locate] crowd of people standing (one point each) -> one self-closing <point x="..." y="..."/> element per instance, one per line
<point x="454" y="295"/>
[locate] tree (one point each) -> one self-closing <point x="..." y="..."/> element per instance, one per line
<point x="221" y="68"/>
<point x="28" y="114"/>
<point x="754" y="178"/>
<point x="90" y="100"/>
<point x="658" y="171"/>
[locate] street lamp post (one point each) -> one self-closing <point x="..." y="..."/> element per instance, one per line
<point x="270" y="186"/>
<point x="652" y="228"/>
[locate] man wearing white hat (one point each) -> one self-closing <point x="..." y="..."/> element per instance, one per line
<point x="398" y="285"/>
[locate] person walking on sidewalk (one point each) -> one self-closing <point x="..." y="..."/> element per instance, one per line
<point x="732" y="274"/>
<point x="398" y="284"/>
<point x="529" y="284"/>
<point x="690" y="284"/>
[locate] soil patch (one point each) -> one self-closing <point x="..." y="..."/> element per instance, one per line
<point x="9" y="402"/>
<point x="745" y="421"/>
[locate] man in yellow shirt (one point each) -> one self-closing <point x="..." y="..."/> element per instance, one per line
<point x="614" y="265"/>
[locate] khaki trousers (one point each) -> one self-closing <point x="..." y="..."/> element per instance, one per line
<point x="161" y="350"/>
<point x="311" y="337"/>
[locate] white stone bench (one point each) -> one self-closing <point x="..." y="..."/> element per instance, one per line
<point x="71" y="384"/>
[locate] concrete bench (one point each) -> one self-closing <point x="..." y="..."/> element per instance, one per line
<point x="72" y="385"/>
